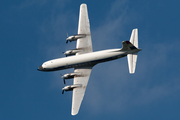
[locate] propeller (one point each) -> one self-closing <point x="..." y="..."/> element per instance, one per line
<point x="64" y="81"/>
<point x="63" y="87"/>
<point x="63" y="84"/>
<point x="67" y="37"/>
<point x="65" y="51"/>
<point x="64" y="54"/>
<point x="62" y="91"/>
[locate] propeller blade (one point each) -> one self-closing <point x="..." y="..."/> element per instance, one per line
<point x="66" y="41"/>
<point x="64" y="81"/>
<point x="63" y="87"/>
<point x="67" y="35"/>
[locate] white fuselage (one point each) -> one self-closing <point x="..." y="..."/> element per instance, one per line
<point x="88" y="59"/>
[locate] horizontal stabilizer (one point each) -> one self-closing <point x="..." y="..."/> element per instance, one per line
<point x="132" y="58"/>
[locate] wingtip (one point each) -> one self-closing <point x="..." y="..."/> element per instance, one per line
<point x="73" y="114"/>
<point x="83" y="4"/>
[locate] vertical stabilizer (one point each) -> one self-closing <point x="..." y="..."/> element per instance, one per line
<point x="132" y="58"/>
<point x="134" y="37"/>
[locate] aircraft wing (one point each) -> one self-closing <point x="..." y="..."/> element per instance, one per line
<point x="85" y="43"/>
<point x="78" y="93"/>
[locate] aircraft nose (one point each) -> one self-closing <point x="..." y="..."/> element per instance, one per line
<point x="40" y="68"/>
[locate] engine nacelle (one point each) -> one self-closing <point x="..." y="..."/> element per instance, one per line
<point x="71" y="87"/>
<point x="75" y="37"/>
<point x="70" y="75"/>
<point x="71" y="52"/>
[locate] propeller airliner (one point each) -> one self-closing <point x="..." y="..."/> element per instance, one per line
<point x="82" y="59"/>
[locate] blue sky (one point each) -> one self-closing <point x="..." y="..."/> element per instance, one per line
<point x="34" y="31"/>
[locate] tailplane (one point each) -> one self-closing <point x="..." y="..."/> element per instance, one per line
<point x="132" y="58"/>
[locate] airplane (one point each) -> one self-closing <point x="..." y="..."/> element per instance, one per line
<point x="83" y="59"/>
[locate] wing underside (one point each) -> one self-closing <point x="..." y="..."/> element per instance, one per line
<point x="85" y="43"/>
<point x="78" y="93"/>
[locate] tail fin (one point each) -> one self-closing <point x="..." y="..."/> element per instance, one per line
<point x="127" y="46"/>
<point x="134" y="37"/>
<point x="132" y="58"/>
